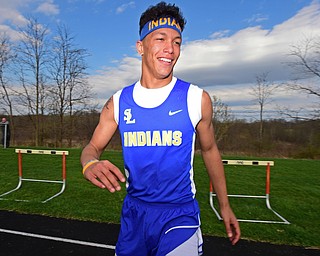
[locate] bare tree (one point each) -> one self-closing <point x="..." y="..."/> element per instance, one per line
<point x="32" y="57"/>
<point x="262" y="92"/>
<point x="222" y="118"/>
<point x="306" y="68"/>
<point x="70" y="89"/>
<point x="6" y="56"/>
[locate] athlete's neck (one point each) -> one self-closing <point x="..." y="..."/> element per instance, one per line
<point x="154" y="83"/>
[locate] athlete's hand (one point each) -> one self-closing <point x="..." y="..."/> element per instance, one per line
<point x="232" y="225"/>
<point x="104" y="174"/>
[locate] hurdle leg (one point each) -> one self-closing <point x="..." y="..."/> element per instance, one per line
<point x="63" y="179"/>
<point x="20" y="177"/>
<point x="284" y="221"/>
<point x="211" y="195"/>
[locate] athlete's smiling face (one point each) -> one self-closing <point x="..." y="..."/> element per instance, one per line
<point x="160" y="51"/>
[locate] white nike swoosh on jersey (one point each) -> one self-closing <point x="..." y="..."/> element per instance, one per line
<point x="171" y="113"/>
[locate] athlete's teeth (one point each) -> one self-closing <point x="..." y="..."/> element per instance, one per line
<point x="166" y="60"/>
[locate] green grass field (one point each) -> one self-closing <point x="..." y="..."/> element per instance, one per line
<point x="295" y="194"/>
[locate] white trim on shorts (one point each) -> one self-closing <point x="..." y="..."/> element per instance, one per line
<point x="193" y="246"/>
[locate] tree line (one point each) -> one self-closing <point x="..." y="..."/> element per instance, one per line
<point x="281" y="138"/>
<point x="43" y="73"/>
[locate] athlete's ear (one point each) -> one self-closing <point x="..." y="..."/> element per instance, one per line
<point x="139" y="47"/>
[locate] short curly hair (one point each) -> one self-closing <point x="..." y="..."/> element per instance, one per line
<point x="161" y="10"/>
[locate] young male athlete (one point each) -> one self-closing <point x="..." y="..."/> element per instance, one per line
<point x="158" y="118"/>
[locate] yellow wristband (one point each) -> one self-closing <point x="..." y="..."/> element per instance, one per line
<point x="90" y="162"/>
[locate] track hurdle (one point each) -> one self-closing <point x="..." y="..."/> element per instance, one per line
<point x="43" y="152"/>
<point x="266" y="196"/>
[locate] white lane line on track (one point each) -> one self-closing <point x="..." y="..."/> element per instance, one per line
<point x="58" y="239"/>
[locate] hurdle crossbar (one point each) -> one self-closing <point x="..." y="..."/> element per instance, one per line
<point x="266" y="196"/>
<point x="43" y="152"/>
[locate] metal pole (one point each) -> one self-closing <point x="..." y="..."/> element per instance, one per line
<point x="5" y="136"/>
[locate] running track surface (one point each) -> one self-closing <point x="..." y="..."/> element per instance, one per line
<point x="34" y="235"/>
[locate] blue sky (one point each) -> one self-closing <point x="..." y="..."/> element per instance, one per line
<point x="226" y="43"/>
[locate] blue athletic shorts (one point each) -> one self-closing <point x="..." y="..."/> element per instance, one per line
<point x="149" y="229"/>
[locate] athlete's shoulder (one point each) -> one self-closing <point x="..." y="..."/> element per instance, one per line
<point x="196" y="88"/>
<point x="116" y="100"/>
<point x="124" y="89"/>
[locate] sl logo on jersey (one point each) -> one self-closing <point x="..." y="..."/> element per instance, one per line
<point x="128" y="116"/>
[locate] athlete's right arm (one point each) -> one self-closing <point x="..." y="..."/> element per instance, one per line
<point x="103" y="174"/>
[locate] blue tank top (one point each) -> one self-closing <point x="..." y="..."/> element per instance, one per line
<point x="158" y="147"/>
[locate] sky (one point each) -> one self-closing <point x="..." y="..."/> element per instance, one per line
<point x="226" y="43"/>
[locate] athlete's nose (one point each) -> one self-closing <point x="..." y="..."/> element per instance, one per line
<point x="169" y="48"/>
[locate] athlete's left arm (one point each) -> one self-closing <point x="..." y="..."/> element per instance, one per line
<point x="212" y="159"/>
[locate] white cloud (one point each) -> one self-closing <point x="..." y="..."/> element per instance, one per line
<point x="10" y="17"/>
<point x="123" y="7"/>
<point x="227" y="67"/>
<point x="48" y="8"/>
<point x="219" y="34"/>
<point x="9" y="32"/>
<point x="9" y="12"/>
<point x="238" y="58"/>
<point x="257" y="18"/>
<point x="111" y="79"/>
